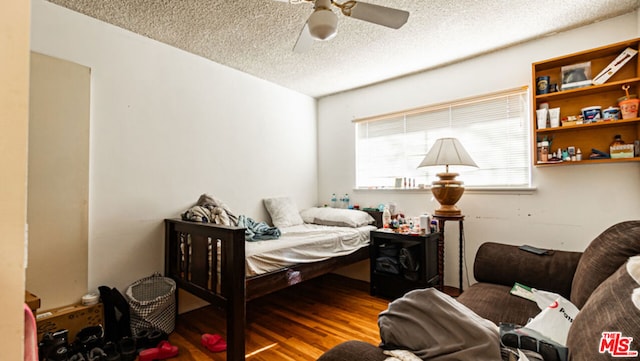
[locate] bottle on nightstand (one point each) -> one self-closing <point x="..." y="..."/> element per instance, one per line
<point x="434" y="226"/>
<point x="386" y="218"/>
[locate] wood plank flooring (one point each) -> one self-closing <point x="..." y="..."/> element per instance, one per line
<point x="297" y="324"/>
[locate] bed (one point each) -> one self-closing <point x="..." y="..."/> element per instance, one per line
<point x="215" y="263"/>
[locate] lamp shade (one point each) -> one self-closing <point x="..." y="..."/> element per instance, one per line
<point x="447" y="151"/>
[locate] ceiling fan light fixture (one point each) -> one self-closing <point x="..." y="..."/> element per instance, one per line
<point x="323" y="24"/>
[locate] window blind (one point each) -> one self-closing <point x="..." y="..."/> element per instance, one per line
<point x="494" y="129"/>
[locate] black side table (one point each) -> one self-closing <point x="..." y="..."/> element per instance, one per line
<point x="387" y="276"/>
<point x="441" y="222"/>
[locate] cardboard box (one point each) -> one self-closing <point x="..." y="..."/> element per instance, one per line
<point x="32" y="301"/>
<point x="73" y="318"/>
<point x="614" y="66"/>
<point x="621" y="151"/>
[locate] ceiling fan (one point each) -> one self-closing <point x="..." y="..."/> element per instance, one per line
<point x="322" y="24"/>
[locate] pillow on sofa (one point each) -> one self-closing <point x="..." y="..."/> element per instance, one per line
<point x="283" y="211"/>
<point x="336" y="217"/>
<point x="603" y="257"/>
<point x="609" y="309"/>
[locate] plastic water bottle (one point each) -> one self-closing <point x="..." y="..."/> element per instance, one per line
<point x="334" y="200"/>
<point x="346" y="200"/>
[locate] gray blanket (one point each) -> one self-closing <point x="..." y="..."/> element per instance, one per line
<point x="257" y="231"/>
<point x="210" y="210"/>
<point x="434" y="326"/>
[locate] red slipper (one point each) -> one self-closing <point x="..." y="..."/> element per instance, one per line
<point x="214" y="343"/>
<point x="162" y="351"/>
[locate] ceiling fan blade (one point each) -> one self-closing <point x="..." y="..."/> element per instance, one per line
<point x="305" y="41"/>
<point x="376" y="14"/>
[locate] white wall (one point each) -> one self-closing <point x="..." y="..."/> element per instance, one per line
<point x="572" y="204"/>
<point x="167" y="126"/>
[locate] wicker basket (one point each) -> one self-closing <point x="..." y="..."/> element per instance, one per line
<point x="152" y="303"/>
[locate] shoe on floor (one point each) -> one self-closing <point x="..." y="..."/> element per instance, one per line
<point x="97" y="354"/>
<point x="111" y="351"/>
<point x="163" y="351"/>
<point x="149" y="338"/>
<point x="127" y="347"/>
<point x="214" y="343"/>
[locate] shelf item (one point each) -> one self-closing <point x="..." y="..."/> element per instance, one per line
<point x="400" y="263"/>
<point x="614" y="66"/>
<point x="576" y="76"/>
<point x="588" y="130"/>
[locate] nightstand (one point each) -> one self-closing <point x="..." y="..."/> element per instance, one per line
<point x="388" y="251"/>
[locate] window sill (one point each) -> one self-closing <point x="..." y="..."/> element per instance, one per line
<point x="475" y="190"/>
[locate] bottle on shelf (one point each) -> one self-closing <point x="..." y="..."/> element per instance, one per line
<point x="345" y="201"/>
<point x="544" y="151"/>
<point x="617" y="140"/>
<point x="334" y="201"/>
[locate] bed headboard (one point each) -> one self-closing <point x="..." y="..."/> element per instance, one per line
<point x="377" y="215"/>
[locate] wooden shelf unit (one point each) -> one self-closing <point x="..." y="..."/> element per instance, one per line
<point x="593" y="135"/>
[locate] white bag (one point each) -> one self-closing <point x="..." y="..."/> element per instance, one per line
<point x="554" y="320"/>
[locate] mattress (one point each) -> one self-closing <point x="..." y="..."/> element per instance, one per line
<point x="304" y="243"/>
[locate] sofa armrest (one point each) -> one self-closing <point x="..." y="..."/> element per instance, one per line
<point x="506" y="264"/>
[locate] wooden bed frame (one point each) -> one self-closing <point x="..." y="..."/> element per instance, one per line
<point x="198" y="274"/>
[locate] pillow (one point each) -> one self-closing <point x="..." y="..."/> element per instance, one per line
<point x="603" y="256"/>
<point x="283" y="211"/>
<point x="610" y="309"/>
<point x="336" y="217"/>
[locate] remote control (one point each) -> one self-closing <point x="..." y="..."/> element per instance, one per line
<point x="534" y="250"/>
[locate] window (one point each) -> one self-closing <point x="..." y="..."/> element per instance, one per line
<point x="494" y="130"/>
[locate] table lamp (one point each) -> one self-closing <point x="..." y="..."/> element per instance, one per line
<point x="447" y="190"/>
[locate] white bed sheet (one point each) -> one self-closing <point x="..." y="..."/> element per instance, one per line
<point x="304" y="243"/>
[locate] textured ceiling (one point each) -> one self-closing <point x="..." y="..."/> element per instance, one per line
<point x="257" y="36"/>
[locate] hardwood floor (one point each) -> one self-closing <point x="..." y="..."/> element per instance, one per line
<point x="298" y="323"/>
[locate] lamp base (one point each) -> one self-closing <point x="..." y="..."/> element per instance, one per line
<point x="447" y="191"/>
<point x="453" y="211"/>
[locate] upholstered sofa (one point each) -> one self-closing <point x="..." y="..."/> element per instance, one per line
<point x="596" y="281"/>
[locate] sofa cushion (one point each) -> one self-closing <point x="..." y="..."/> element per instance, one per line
<point x="603" y="257"/>
<point x="609" y="309"/>
<point x="495" y="303"/>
